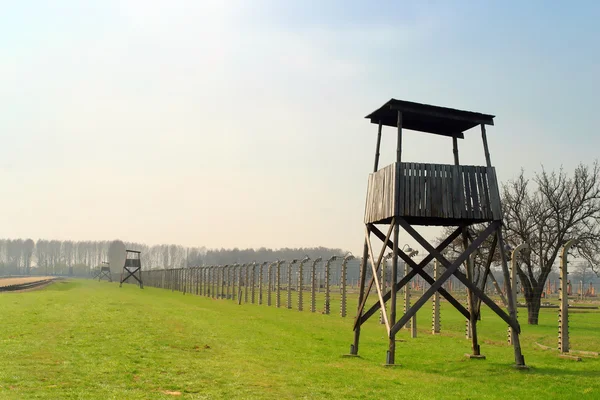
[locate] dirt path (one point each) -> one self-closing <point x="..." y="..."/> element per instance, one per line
<point x="21" y="280"/>
<point x="20" y="284"/>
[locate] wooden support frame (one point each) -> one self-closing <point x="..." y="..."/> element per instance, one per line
<point x="104" y="273"/>
<point x="135" y="273"/>
<point x="451" y="269"/>
<point x="416" y="269"/>
<point x="494" y="226"/>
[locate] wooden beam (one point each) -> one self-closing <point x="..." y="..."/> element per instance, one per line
<point x="431" y="281"/>
<point x="455" y="150"/>
<point x="486" y="150"/>
<point x="489" y="302"/>
<point x="424" y="262"/>
<point x="440" y="114"/>
<point x="365" y="295"/>
<point x="425" y="297"/>
<point x="450" y="267"/>
<point x="417" y="269"/>
<point x="376" y="166"/>
<point x="377" y="286"/>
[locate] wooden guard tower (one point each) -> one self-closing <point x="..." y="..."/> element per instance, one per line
<point x="132" y="267"/>
<point x="406" y="194"/>
<point x="105" y="272"/>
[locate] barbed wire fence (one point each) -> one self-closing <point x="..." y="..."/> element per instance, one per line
<point x="314" y="285"/>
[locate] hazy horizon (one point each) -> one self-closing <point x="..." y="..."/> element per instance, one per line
<point x="241" y="124"/>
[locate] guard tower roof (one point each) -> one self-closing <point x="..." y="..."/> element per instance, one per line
<point x="427" y="118"/>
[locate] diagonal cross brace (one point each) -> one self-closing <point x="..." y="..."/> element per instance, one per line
<point x="366" y="294"/>
<point x="416" y="269"/>
<point x="131" y="273"/>
<point x="374" y="269"/>
<point x="489" y="302"/>
<point x="450" y="269"/>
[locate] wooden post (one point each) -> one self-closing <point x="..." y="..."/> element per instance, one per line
<point x="563" y="311"/>
<point x="377" y="147"/>
<point x="391" y="355"/>
<point x="455" y="150"/>
<point x="513" y="282"/>
<point x="519" y="359"/>
<point x="435" y="318"/>
<point x="486" y="150"/>
<point x="471" y="324"/>
<point x="364" y="261"/>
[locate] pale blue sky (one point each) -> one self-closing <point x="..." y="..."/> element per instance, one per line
<point x="240" y="123"/>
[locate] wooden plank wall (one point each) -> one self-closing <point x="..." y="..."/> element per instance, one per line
<point x="434" y="190"/>
<point x="381" y="194"/>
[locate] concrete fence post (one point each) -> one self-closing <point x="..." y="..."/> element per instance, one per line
<point x="269" y="283"/>
<point x="313" y="285"/>
<point x="300" y="283"/>
<point x="278" y="284"/>
<point x="289" y="283"/>
<point x="435" y="311"/>
<point x="513" y="282"/>
<point x="327" y="308"/>
<point x="563" y="311"/>
<point x="343" y="284"/>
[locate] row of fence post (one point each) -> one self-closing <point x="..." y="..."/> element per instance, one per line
<point x="241" y="282"/>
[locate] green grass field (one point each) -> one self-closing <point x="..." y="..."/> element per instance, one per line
<point x="93" y="340"/>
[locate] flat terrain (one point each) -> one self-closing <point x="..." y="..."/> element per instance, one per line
<point x="93" y="340"/>
<point x="20" y="280"/>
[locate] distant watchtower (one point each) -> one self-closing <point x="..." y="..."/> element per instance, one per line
<point x="406" y="194"/>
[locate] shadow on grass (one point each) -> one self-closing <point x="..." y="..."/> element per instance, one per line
<point x="549" y="371"/>
<point x="564" y="372"/>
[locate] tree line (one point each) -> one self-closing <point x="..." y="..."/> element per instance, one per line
<point x="65" y="257"/>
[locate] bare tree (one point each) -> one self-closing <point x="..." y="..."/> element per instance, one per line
<point x="545" y="213"/>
